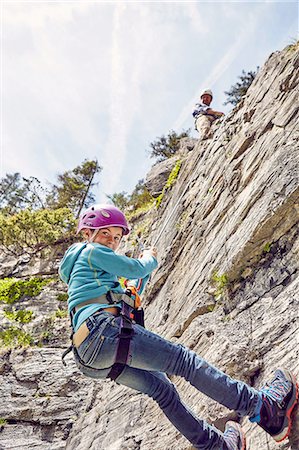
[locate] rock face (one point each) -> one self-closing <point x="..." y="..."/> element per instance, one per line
<point x="158" y="175"/>
<point x="227" y="287"/>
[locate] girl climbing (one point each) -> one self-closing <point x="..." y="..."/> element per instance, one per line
<point x="107" y="342"/>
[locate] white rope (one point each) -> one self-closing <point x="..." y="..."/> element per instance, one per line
<point x="170" y="215"/>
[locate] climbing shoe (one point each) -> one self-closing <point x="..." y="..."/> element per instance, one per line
<point x="279" y="397"/>
<point x="234" y="437"/>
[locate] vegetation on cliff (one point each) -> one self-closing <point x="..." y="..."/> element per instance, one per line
<point x="34" y="218"/>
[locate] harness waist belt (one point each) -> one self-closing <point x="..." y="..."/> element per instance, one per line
<point x="110" y="298"/>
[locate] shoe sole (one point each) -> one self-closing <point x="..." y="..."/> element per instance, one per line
<point x="242" y="434"/>
<point x="292" y="403"/>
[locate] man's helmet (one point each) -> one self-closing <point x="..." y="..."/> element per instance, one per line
<point x="208" y="92"/>
<point x="103" y="216"/>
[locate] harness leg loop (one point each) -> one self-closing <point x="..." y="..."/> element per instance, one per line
<point x="125" y="334"/>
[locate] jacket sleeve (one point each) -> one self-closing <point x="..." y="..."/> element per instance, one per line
<point x="104" y="258"/>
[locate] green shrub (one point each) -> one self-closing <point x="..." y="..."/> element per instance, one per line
<point x="62" y="297"/>
<point x="15" y="337"/>
<point x="159" y="199"/>
<point x="238" y="90"/>
<point x="135" y="204"/>
<point x="21" y="316"/>
<point x="141" y="210"/>
<point x="12" y="289"/>
<point x="61" y="313"/>
<point x="30" y="231"/>
<point x="220" y="282"/>
<point x="170" y="181"/>
<point x="267" y="247"/>
<point x="293" y="46"/>
<point x="167" y="146"/>
<point x="173" y="174"/>
<point x="182" y="221"/>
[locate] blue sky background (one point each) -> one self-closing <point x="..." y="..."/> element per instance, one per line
<point x="85" y="79"/>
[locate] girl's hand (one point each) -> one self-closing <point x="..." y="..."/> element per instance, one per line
<point x="152" y="251"/>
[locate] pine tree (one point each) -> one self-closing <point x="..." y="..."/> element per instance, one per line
<point x="238" y="90"/>
<point x="17" y="192"/>
<point x="74" y="187"/>
<point x="34" y="219"/>
<point x="166" y="146"/>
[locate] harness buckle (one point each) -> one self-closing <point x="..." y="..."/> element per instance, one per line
<point x="114" y="298"/>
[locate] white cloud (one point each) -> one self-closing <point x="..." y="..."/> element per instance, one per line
<point x="86" y="79"/>
<point x="192" y="10"/>
<point x="36" y="13"/>
<point x="49" y="89"/>
<point x="75" y="88"/>
<point x="115" y="149"/>
<point x="137" y="54"/>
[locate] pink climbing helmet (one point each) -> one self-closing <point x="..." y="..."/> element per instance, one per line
<point x="103" y="216"/>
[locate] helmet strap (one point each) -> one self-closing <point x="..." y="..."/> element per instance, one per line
<point x="93" y="236"/>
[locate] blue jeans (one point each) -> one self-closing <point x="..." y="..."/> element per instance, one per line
<point x="151" y="357"/>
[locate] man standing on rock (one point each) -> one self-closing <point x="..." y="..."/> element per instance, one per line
<point x="204" y="115"/>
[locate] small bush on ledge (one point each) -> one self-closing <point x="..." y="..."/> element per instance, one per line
<point x="14" y="337"/>
<point x="170" y="181"/>
<point x="12" y="289"/>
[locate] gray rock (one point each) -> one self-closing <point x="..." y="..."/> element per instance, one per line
<point x="158" y="175"/>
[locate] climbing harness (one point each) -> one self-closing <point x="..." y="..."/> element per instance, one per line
<point x="130" y="310"/>
<point x="129" y="305"/>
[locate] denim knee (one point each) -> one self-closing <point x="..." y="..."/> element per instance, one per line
<point x="164" y="392"/>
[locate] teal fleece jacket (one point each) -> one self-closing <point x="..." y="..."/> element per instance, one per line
<point x="91" y="270"/>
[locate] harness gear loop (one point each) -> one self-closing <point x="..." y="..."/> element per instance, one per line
<point x="70" y="348"/>
<point x="66" y="352"/>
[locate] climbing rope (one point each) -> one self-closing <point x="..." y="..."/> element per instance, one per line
<point x="168" y="218"/>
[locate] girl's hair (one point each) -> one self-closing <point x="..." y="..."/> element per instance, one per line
<point x="93" y="235"/>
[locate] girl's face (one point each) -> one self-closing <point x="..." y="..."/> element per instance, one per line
<point x="110" y="237"/>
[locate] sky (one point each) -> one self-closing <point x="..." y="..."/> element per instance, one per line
<point x="103" y="79"/>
